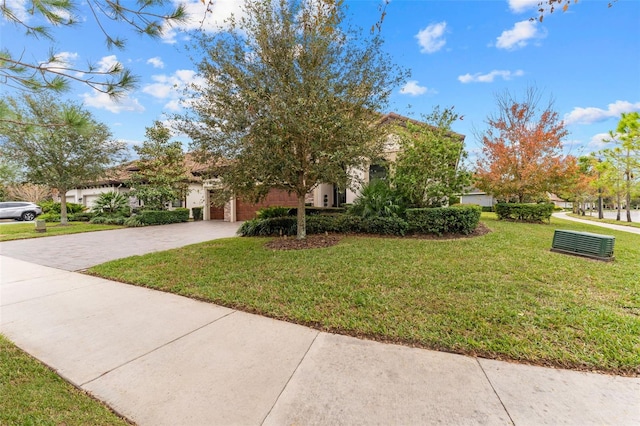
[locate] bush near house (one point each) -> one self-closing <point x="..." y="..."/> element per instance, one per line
<point x="163" y="217"/>
<point x="444" y="220"/>
<point x="54" y="207"/>
<point x="521" y="212"/>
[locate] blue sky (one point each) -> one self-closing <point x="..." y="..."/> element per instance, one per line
<point x="460" y="53"/>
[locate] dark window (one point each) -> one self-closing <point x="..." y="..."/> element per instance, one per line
<point x="377" y="171"/>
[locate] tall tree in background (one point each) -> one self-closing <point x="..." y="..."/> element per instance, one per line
<point x="625" y="158"/>
<point x="291" y="99"/>
<point x="162" y="175"/>
<point x="63" y="147"/>
<point x="37" y="18"/>
<point x="522" y="155"/>
<point x="429" y="169"/>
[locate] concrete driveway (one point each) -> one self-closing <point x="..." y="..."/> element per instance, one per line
<point x="80" y="251"/>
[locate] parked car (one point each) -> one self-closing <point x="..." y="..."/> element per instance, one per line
<point x="19" y="210"/>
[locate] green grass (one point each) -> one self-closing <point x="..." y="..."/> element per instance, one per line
<point x="28" y="230"/>
<point x="503" y="295"/>
<point x="32" y="394"/>
<point x="622" y="222"/>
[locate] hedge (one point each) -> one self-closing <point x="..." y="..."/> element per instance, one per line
<point x="461" y="219"/>
<point x="318" y="224"/>
<point x="524" y="212"/>
<point x="163" y="217"/>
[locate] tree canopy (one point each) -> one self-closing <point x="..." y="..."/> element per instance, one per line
<point x="291" y="99"/>
<point x="162" y="174"/>
<point x="522" y="156"/>
<point x="37" y="18"/>
<point x="429" y="169"/>
<point x="62" y="147"/>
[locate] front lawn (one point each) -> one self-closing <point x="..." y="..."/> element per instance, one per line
<point x="503" y="295"/>
<point x="32" y="394"/>
<point x="21" y="231"/>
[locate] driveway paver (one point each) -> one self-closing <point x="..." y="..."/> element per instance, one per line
<point x="76" y="252"/>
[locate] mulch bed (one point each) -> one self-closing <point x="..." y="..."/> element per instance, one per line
<point x="328" y="240"/>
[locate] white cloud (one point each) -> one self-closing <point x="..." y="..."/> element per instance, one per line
<point x="431" y="39"/>
<point x="156" y="62"/>
<point x="413" y="88"/>
<point x="598" y="141"/>
<point x="519" y="36"/>
<point x="63" y="60"/>
<point x="489" y="77"/>
<point x="170" y="87"/>
<point x="107" y="63"/>
<point x="591" y="115"/>
<point x="101" y="100"/>
<point x="201" y="18"/>
<point x="519" y="6"/>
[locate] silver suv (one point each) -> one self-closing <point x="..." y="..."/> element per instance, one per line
<point x="19" y="210"/>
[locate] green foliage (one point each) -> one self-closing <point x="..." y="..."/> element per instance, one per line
<point x="274" y="211"/>
<point x="461" y="219"/>
<point x="81" y="217"/>
<point x="312" y="211"/>
<point x="197" y="213"/>
<point x="50" y="206"/>
<point x="111" y="202"/>
<point x="50" y="217"/>
<point x="524" y="212"/>
<point x="290" y="96"/>
<point x="429" y="168"/>
<point x="378" y="199"/>
<point x="133" y="222"/>
<point x="162" y="177"/>
<point x="63" y="147"/>
<point x="268" y="227"/>
<point x="163" y="217"/>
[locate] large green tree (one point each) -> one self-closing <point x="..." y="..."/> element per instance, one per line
<point x="38" y="19"/>
<point x="430" y="169"/>
<point x="62" y="147"/>
<point x="291" y="99"/>
<point x="162" y="175"/>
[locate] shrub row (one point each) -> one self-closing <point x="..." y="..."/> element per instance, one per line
<point x="162" y="217"/>
<point x="444" y="220"/>
<point x="454" y="220"/>
<point x="524" y="212"/>
<point x="318" y="224"/>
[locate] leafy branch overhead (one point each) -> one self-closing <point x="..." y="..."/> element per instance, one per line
<point x="37" y="18"/>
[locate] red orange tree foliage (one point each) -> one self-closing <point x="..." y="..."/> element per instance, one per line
<point x="522" y="155"/>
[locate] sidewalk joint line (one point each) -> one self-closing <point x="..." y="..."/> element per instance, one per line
<point x="495" y="391"/>
<point x="293" y="373"/>
<point x="155" y="349"/>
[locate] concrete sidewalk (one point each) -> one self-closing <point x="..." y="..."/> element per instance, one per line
<point x="622" y="228"/>
<point x="162" y="359"/>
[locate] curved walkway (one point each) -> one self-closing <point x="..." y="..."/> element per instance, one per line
<point x="631" y="229"/>
<point x="162" y="359"/>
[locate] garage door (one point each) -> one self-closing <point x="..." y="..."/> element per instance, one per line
<point x="276" y="197"/>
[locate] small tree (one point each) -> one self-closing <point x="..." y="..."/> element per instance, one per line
<point x="522" y="157"/>
<point x="63" y="147"/>
<point x="291" y="99"/>
<point x="162" y="175"/>
<point x="429" y="169"/>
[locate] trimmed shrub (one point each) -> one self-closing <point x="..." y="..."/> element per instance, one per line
<point x="269" y="227"/>
<point x="49" y="217"/>
<point x="80" y="217"/>
<point x="385" y="226"/>
<point x="163" y="217"/>
<point x="314" y="211"/>
<point x="521" y="212"/>
<point x="133" y="222"/>
<point x="444" y="220"/>
<point x="53" y="207"/>
<point x="197" y="213"/>
<point x="274" y="211"/>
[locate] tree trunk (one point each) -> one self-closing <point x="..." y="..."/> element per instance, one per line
<point x="302" y="223"/>
<point x="63" y="206"/>
<point x="629" y="206"/>
<point x="619" y="207"/>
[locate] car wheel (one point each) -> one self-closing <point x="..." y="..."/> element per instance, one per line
<point x="28" y="216"/>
